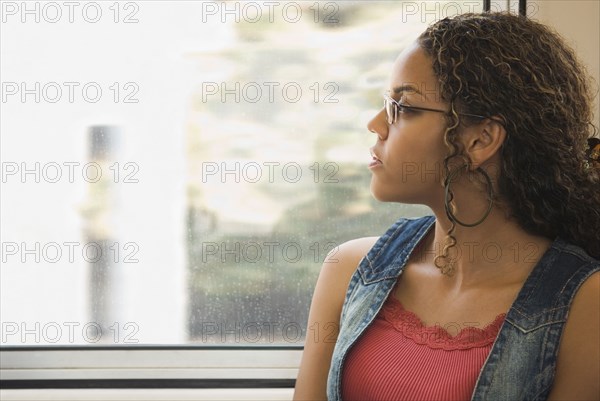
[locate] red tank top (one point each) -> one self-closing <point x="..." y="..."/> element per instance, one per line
<point x="398" y="358"/>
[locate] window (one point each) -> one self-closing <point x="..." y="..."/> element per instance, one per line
<point x="175" y="172"/>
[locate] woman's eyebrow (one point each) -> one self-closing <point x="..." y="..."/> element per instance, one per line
<point x="406" y="88"/>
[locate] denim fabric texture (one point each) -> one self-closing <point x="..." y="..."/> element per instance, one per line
<point x="522" y="361"/>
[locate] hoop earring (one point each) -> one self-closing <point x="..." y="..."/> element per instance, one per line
<point x="447" y="199"/>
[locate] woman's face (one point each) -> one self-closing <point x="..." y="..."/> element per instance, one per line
<point x="411" y="150"/>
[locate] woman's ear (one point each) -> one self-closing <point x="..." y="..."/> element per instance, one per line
<point x="482" y="141"/>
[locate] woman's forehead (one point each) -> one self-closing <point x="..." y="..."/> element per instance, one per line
<point x="412" y="73"/>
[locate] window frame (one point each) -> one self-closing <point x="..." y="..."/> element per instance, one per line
<point x="149" y="366"/>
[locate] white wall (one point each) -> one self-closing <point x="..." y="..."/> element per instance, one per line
<point x="579" y="22"/>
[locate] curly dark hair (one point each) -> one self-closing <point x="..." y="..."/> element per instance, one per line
<point x="508" y="66"/>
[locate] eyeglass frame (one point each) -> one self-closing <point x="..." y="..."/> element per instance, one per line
<point x="388" y="99"/>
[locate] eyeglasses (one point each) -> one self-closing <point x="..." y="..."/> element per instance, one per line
<point x="393" y="108"/>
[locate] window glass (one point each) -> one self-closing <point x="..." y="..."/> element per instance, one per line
<point x="175" y="172"/>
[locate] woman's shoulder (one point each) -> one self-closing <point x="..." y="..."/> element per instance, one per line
<point x="354" y="250"/>
<point x="343" y="261"/>
<point x="578" y="366"/>
<point x="339" y="266"/>
<point x="345" y="258"/>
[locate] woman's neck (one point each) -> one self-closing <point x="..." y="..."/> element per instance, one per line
<point x="496" y="251"/>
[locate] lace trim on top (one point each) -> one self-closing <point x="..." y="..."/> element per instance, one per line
<point x="437" y="337"/>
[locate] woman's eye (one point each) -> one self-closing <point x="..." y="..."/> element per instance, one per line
<point x="404" y="109"/>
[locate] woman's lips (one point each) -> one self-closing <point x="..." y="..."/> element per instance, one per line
<point x="375" y="161"/>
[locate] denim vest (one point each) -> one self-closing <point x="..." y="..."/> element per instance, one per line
<point x="522" y="361"/>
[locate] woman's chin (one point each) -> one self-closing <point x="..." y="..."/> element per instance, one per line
<point x="382" y="195"/>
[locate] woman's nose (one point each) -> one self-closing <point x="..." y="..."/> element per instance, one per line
<point x="378" y="125"/>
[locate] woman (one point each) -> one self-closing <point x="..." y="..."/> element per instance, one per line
<point x="496" y="296"/>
